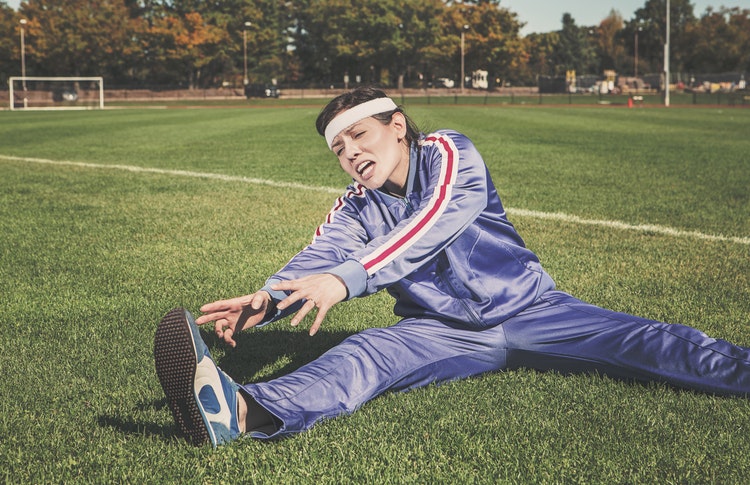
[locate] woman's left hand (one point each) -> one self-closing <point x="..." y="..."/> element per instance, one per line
<point x="322" y="291"/>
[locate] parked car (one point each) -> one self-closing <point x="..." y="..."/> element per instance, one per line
<point x="261" y="91"/>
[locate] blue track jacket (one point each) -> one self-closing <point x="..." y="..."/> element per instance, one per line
<point x="445" y="251"/>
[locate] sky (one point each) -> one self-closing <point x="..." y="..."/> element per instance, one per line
<point x="546" y="15"/>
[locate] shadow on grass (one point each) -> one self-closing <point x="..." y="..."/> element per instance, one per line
<point x="256" y="350"/>
<point x="261" y="348"/>
<point x="132" y="427"/>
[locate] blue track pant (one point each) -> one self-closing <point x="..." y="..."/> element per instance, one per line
<point x="558" y="332"/>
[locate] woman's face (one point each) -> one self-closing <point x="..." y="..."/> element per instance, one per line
<point x="375" y="154"/>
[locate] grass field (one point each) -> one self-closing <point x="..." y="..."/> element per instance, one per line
<point x="110" y="218"/>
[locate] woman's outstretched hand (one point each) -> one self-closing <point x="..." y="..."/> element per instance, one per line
<point x="233" y="315"/>
<point x="321" y="291"/>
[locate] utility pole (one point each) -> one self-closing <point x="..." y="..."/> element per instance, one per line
<point x="244" y="49"/>
<point x="23" y="62"/>
<point x="463" y="75"/>
<point x="666" y="62"/>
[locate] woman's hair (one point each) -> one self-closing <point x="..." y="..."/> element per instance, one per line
<point x="358" y="96"/>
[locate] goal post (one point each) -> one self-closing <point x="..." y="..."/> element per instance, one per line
<point x="47" y="93"/>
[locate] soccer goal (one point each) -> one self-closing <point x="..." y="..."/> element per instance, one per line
<point x="45" y="93"/>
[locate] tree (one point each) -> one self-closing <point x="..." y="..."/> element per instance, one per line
<point x="175" y="43"/>
<point x="195" y="43"/>
<point x="720" y="41"/>
<point x="575" y="50"/>
<point x="493" y="42"/>
<point x="419" y="36"/>
<point x="541" y="48"/>
<point x="330" y="53"/>
<point x="76" y="37"/>
<point x="268" y="39"/>
<point x="611" y="51"/>
<point x="187" y="42"/>
<point x="651" y="19"/>
<point x="378" y="40"/>
<point x="10" y="40"/>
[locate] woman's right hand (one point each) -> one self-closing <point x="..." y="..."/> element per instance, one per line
<point x="233" y="315"/>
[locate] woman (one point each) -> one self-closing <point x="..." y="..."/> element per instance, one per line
<point x="421" y="219"/>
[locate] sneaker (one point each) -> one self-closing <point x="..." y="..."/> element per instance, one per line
<point x="203" y="399"/>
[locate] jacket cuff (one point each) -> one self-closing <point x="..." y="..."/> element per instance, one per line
<point x="273" y="313"/>
<point x="354" y="276"/>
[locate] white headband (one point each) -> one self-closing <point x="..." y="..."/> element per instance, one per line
<point x="357" y="113"/>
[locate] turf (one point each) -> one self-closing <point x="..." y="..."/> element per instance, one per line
<point x="91" y="257"/>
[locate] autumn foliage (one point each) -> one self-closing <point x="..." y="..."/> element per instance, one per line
<point x="193" y="43"/>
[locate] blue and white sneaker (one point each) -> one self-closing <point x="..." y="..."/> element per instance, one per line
<point x="203" y="399"/>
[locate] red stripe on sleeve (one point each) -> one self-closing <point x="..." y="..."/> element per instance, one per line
<point x="439" y="199"/>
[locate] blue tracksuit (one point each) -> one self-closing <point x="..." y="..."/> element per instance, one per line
<point x="472" y="297"/>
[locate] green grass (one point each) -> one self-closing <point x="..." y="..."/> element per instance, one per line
<point x="91" y="258"/>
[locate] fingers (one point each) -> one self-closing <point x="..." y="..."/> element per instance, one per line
<point x="227" y="336"/>
<point x="300" y="293"/>
<point x="318" y="321"/>
<point x="302" y="312"/>
<point x="305" y="310"/>
<point x="211" y="317"/>
<point x="293" y="298"/>
<point x="258" y="300"/>
<point x="321" y="291"/>
<point x="315" y="287"/>
<point x="224" y="331"/>
<point x="219" y="305"/>
<point x="232" y="315"/>
<point x="223" y="308"/>
<point x="219" y="309"/>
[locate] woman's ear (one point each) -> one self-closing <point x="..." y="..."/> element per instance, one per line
<point x="398" y="123"/>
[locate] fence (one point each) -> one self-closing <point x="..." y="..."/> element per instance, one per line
<point x="499" y="97"/>
<point x="734" y="99"/>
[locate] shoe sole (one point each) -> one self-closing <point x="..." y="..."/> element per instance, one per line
<point x="175" y="361"/>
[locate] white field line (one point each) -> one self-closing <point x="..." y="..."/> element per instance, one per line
<point x="556" y="216"/>
<point x="652" y="228"/>
<point x="179" y="173"/>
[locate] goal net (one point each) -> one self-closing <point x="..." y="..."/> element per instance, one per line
<point x="43" y="93"/>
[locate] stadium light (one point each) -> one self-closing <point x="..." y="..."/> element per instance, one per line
<point x="666" y="62"/>
<point x="23" y="62"/>
<point x="463" y="31"/>
<point x="244" y="42"/>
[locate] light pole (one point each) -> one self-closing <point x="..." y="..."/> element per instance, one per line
<point x="666" y="62"/>
<point x="23" y="62"/>
<point x="635" y="64"/>
<point x="463" y="31"/>
<point x="244" y="43"/>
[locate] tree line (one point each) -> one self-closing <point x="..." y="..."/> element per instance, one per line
<point x="201" y="44"/>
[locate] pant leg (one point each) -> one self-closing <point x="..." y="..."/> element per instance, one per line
<point x="410" y="354"/>
<point x="565" y="334"/>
